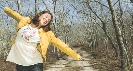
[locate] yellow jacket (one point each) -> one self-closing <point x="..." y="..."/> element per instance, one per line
<point x="45" y="37"/>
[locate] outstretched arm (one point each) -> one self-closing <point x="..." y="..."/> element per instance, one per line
<point x="13" y="14"/>
<point x="63" y="47"/>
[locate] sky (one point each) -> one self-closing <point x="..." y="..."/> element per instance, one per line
<point x="72" y="13"/>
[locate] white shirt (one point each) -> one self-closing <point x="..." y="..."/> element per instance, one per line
<point x="24" y="50"/>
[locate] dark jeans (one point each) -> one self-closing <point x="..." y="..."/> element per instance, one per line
<point x="36" y="67"/>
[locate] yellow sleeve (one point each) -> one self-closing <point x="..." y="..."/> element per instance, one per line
<point x="12" y="14"/>
<point x="62" y="46"/>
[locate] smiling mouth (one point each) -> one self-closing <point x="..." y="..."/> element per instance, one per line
<point x="44" y="21"/>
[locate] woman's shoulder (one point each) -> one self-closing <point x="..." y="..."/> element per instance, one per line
<point x="50" y="32"/>
<point x="26" y="19"/>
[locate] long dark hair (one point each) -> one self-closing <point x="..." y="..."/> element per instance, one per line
<point x="35" y="20"/>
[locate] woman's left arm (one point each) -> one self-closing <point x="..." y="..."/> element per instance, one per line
<point x="13" y="14"/>
<point x="63" y="47"/>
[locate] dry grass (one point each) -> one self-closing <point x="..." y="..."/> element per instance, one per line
<point x="6" y="66"/>
<point x="104" y="58"/>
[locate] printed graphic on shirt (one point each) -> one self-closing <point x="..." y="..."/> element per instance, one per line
<point x="29" y="34"/>
<point x="26" y="32"/>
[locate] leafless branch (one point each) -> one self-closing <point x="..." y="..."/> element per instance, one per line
<point x="94" y="12"/>
<point x="72" y="5"/>
<point x="45" y="5"/>
<point x="97" y="22"/>
<point x="116" y="2"/>
<point x="100" y="3"/>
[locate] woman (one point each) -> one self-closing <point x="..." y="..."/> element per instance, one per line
<point x="32" y="39"/>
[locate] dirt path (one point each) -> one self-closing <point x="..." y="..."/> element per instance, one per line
<point x="72" y="65"/>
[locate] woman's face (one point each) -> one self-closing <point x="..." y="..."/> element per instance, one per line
<point x="44" y="19"/>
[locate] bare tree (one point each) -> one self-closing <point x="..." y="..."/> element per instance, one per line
<point x="104" y="27"/>
<point x="122" y="47"/>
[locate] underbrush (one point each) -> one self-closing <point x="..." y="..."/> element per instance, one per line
<point x="104" y="59"/>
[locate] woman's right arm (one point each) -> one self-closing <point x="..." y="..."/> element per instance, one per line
<point x="13" y="14"/>
<point x="63" y="47"/>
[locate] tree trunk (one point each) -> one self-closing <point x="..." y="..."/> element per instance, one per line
<point x="36" y="6"/>
<point x="19" y="7"/>
<point x="54" y="25"/>
<point x="122" y="47"/>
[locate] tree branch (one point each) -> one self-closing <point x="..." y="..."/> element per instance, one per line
<point x="94" y="12"/>
<point x="72" y="5"/>
<point x="100" y="3"/>
<point x="45" y="5"/>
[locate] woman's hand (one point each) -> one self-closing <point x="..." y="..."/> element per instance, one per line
<point x="81" y="58"/>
